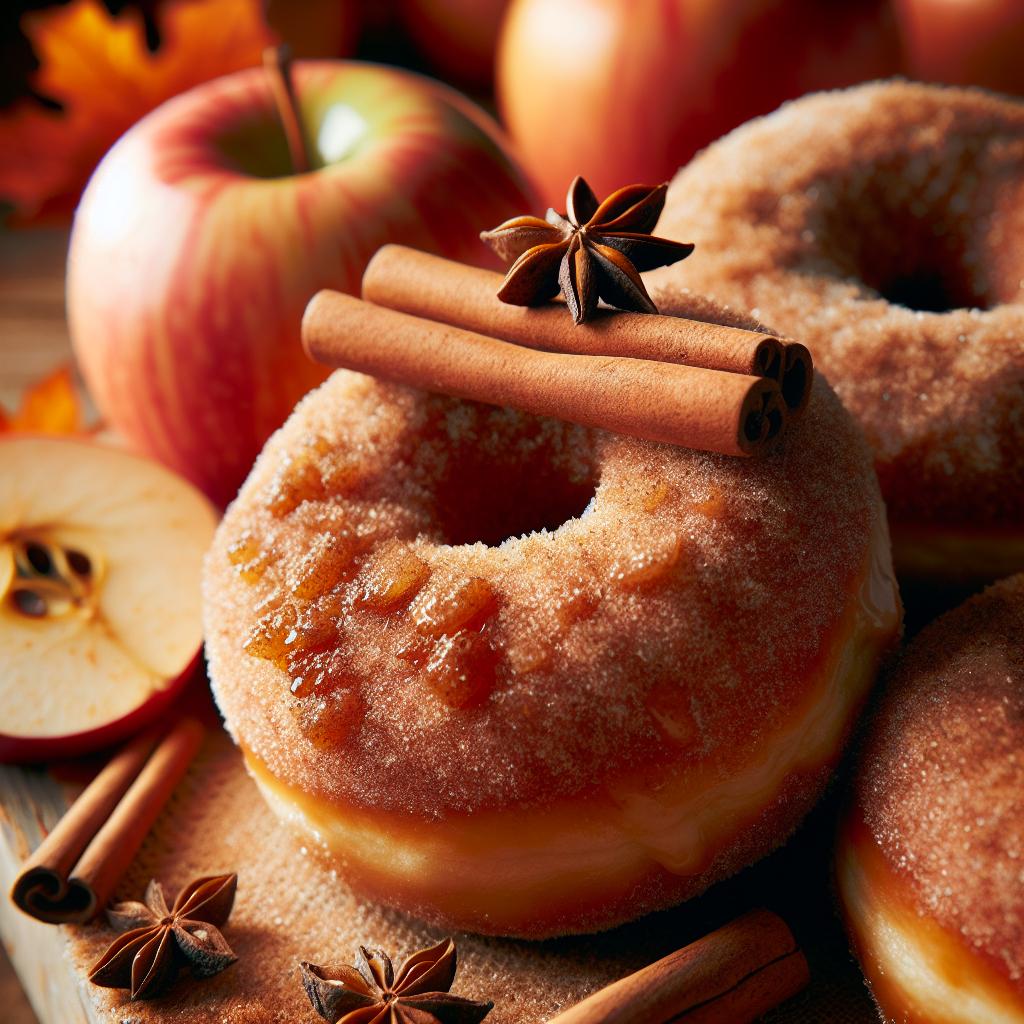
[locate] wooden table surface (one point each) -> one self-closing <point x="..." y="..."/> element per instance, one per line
<point x="33" y="341"/>
<point x="33" y="332"/>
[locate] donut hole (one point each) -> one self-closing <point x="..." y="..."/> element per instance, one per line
<point x="929" y="244"/>
<point x="929" y="290"/>
<point x="513" y="485"/>
<point x="919" y="264"/>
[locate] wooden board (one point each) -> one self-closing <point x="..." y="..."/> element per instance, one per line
<point x="31" y="802"/>
<point x="33" y="332"/>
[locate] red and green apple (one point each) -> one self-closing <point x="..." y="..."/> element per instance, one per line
<point x="622" y="91"/>
<point x="195" y="248"/>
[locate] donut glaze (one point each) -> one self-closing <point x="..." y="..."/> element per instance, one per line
<point x="880" y="226"/>
<point x="931" y="858"/>
<point x="548" y="678"/>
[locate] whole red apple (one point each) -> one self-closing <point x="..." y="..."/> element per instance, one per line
<point x="100" y="559"/>
<point x="622" y="91"/>
<point x="458" y="37"/>
<point x="965" y="42"/>
<point x="195" y="248"/>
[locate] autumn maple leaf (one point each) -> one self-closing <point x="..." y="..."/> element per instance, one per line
<point x="49" y="406"/>
<point x="98" y="68"/>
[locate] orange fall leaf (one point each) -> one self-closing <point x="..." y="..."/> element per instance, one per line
<point x="50" y="406"/>
<point x="99" y="69"/>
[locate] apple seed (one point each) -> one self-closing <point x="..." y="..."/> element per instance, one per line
<point x="79" y="562"/>
<point x="39" y="558"/>
<point x="29" y="603"/>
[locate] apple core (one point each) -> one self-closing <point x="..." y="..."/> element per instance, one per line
<point x="46" y="579"/>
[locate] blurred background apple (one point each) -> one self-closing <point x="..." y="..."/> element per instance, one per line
<point x="620" y="91"/>
<point x="965" y="42"/>
<point x="195" y="247"/>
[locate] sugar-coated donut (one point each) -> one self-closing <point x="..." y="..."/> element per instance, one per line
<point x="931" y="857"/>
<point x="529" y="678"/>
<point x="881" y="227"/>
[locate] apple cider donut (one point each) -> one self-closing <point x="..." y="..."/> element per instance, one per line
<point x="931" y="857"/>
<point x="881" y="227"/>
<point x="530" y="678"/>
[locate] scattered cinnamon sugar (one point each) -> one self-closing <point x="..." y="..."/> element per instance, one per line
<point x="943" y="773"/>
<point x="290" y="908"/>
<point x="604" y="574"/>
<point x="817" y="215"/>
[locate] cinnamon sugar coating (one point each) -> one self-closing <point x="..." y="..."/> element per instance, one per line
<point x="655" y="609"/>
<point x="941" y="786"/>
<point x="881" y="227"/>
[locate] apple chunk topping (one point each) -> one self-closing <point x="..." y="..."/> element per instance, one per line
<point x="394" y="580"/>
<point x="48" y="579"/>
<point x="250" y="560"/>
<point x="272" y="637"/>
<point x="299" y="479"/>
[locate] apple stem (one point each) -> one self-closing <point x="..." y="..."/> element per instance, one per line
<point x="277" y="62"/>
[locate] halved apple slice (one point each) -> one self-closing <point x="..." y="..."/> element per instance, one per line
<point x="100" y="559"/>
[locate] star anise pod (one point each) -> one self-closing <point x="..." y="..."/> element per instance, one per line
<point x="157" y="941"/>
<point x="595" y="251"/>
<point x="370" y="992"/>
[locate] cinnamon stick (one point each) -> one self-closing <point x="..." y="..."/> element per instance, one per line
<point x="711" y="410"/>
<point x="797" y="376"/>
<point x="72" y="874"/>
<point x="731" y="976"/>
<point x="449" y="292"/>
